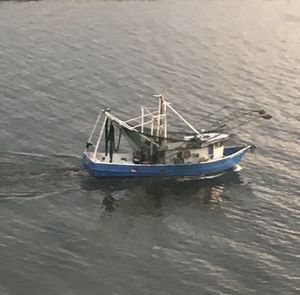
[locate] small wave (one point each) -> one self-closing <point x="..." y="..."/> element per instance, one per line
<point x="65" y="156"/>
<point x="26" y="154"/>
<point x="212" y="176"/>
<point x="35" y="194"/>
<point x="237" y="168"/>
<point x="17" y="195"/>
<point x="179" y="225"/>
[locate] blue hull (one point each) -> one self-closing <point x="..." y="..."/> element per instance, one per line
<point x="232" y="156"/>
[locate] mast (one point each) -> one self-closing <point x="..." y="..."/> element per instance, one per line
<point x="152" y="129"/>
<point x="99" y="138"/>
<point x="162" y="112"/>
<point x="142" y="119"/>
<point x="165" y="119"/>
<point x="93" y="131"/>
<point x="159" y="116"/>
<point x="161" y="130"/>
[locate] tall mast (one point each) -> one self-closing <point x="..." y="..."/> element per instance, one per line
<point x="161" y="129"/>
<point x="142" y="119"/>
<point x="99" y="138"/>
<point x="165" y="119"/>
<point x="159" y="115"/>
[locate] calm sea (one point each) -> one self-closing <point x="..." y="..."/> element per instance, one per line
<point x="63" y="232"/>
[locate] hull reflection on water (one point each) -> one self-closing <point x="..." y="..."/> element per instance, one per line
<point x="153" y="191"/>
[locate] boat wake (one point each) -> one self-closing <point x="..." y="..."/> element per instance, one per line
<point x="33" y="194"/>
<point x="33" y="175"/>
<point x="237" y="168"/>
<point x="37" y="155"/>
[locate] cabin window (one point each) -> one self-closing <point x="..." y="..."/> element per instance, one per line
<point x="103" y="158"/>
<point x="124" y="159"/>
<point x="218" y="144"/>
<point x="195" y="155"/>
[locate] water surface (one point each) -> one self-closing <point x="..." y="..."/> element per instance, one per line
<point x="63" y="232"/>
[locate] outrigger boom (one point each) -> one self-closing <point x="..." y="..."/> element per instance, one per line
<point x="157" y="151"/>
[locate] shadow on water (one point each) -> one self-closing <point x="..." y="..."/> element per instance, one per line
<point x="151" y="193"/>
<point x="115" y="184"/>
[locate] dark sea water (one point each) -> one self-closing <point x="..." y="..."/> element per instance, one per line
<point x="63" y="232"/>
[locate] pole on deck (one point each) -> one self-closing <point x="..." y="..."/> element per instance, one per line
<point x="142" y="119"/>
<point x="165" y="119"/>
<point x="159" y="118"/>
<point x="93" y="130"/>
<point x="99" y="138"/>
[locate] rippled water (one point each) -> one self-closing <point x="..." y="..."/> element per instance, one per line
<point x="63" y="232"/>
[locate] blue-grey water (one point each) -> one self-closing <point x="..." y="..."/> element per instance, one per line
<point x="63" y="232"/>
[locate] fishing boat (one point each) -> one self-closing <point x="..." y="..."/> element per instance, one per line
<point x="153" y="149"/>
